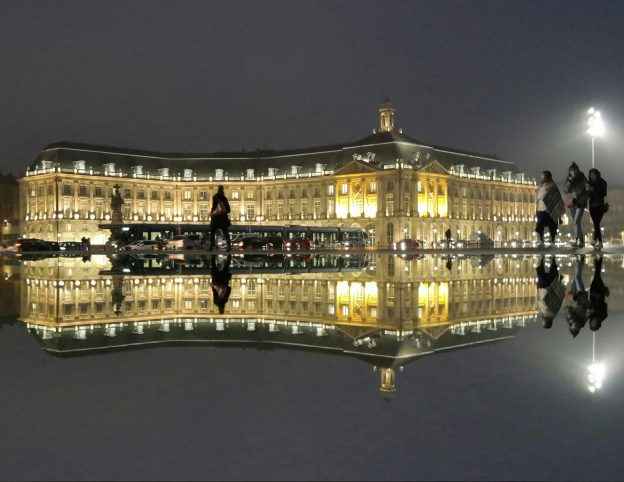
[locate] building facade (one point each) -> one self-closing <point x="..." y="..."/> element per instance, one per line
<point x="390" y="184"/>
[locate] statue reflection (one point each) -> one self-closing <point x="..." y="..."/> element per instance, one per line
<point x="221" y="276"/>
<point x="117" y="294"/>
<point x="550" y="291"/>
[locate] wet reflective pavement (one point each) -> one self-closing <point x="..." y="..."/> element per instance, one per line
<point x="361" y="366"/>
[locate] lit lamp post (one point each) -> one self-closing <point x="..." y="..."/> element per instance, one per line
<point x="596" y="129"/>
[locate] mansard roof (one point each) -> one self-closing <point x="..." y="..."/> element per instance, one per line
<point x="377" y="149"/>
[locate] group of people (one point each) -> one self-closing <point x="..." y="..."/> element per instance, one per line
<point x="580" y="193"/>
<point x="583" y="306"/>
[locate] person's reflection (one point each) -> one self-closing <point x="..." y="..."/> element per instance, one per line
<point x="449" y="263"/>
<point x="598" y="293"/>
<point x="221" y="276"/>
<point x="550" y="291"/>
<point x="577" y="309"/>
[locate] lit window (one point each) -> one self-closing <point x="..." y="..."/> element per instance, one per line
<point x="344" y="188"/>
<point x="330" y="190"/>
<point x="188" y="195"/>
<point x="372" y="187"/>
<point x="235" y="195"/>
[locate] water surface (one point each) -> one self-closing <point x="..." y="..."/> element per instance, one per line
<point x="333" y="366"/>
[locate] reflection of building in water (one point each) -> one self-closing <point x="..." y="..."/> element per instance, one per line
<point x="387" y="314"/>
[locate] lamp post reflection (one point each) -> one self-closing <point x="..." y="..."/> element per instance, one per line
<point x="596" y="371"/>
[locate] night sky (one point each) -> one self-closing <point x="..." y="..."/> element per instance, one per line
<point x="508" y="78"/>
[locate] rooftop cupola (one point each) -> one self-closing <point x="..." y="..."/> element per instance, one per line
<point x="386" y="117"/>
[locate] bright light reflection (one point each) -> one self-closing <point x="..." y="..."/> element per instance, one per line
<point x="596" y="373"/>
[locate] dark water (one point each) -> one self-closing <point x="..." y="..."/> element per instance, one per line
<point x="360" y="367"/>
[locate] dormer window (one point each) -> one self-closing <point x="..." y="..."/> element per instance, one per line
<point x="294" y="170"/>
<point x="188" y="174"/>
<point x="80" y="165"/>
<point x="250" y="174"/>
<point x="272" y="171"/>
<point x="164" y="171"/>
<point x="109" y="168"/>
<point x="476" y="170"/>
<point x="219" y="174"/>
<point x="319" y="168"/>
<point x="47" y="164"/>
<point x="138" y="170"/>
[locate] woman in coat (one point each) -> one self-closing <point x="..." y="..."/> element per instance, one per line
<point x="597" y="189"/>
<point x="576" y="200"/>
<point x="549" y="207"/>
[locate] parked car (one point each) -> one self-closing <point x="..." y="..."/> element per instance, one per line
<point x="71" y="246"/>
<point x="515" y="243"/>
<point x="259" y="243"/>
<point x="407" y="245"/>
<point x="297" y="244"/>
<point x="185" y="242"/>
<point x="143" y="245"/>
<point x="32" y="244"/>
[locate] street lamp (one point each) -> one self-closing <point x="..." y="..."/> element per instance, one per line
<point x="595" y="128"/>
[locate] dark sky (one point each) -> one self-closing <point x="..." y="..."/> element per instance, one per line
<point x="512" y="78"/>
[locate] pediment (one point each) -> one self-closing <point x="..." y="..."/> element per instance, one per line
<point x="434" y="167"/>
<point x="355" y="167"/>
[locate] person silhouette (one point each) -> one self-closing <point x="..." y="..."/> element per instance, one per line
<point x="577" y="309"/>
<point x="598" y="293"/>
<point x="219" y="218"/>
<point x="550" y="291"/>
<point x="221" y="276"/>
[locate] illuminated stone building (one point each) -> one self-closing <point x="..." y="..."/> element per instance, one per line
<point x="387" y="311"/>
<point x="388" y="183"/>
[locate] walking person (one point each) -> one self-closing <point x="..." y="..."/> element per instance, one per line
<point x="549" y="208"/>
<point x="576" y="201"/>
<point x="219" y="218"/>
<point x="597" y="189"/>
